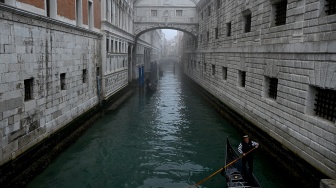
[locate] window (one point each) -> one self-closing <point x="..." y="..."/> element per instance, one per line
<point x="208" y="36"/>
<point x="202" y="15"/>
<point x="62" y="79"/>
<point x="242" y="78"/>
<point x="48" y="7"/>
<point x="179" y="13"/>
<point x="209" y="10"/>
<point x="107" y="45"/>
<point x="84" y="76"/>
<point x="280" y="13"/>
<point x="2" y="1"/>
<point x="330" y="7"/>
<point x="154" y="13"/>
<point x="248" y="20"/>
<point x="216" y="32"/>
<point x="272" y="87"/>
<point x="224" y="73"/>
<point x="119" y="47"/>
<point x="204" y="68"/>
<point x="90" y="16"/>
<point x="213" y="70"/>
<point x="28" y="88"/>
<point x="201" y="38"/>
<point x="228" y="29"/>
<point x="98" y="71"/>
<point x="325" y="104"/>
<point x="219" y="3"/>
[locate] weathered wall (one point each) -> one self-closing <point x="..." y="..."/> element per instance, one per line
<point x="300" y="54"/>
<point x="38" y="48"/>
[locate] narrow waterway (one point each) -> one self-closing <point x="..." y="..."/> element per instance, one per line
<point x="171" y="138"/>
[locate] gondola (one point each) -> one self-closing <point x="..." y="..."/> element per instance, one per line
<point x="233" y="173"/>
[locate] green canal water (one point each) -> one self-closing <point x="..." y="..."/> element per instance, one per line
<point x="171" y="138"/>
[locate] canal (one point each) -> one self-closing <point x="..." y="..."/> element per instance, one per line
<point x="171" y="138"/>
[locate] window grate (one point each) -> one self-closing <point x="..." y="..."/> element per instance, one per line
<point x="331" y="7"/>
<point x="62" y="78"/>
<point x="224" y="70"/>
<point x="248" y="21"/>
<point x="242" y="78"/>
<point x="154" y="13"/>
<point x="325" y="104"/>
<point x="273" y="88"/>
<point x="281" y="13"/>
<point x="179" y="13"/>
<point x="28" y="88"/>
<point x="228" y="28"/>
<point x="84" y="75"/>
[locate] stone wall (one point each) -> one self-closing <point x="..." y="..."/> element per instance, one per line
<point x="36" y="52"/>
<point x="300" y="54"/>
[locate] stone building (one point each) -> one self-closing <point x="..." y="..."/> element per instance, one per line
<point x="59" y="59"/>
<point x="274" y="63"/>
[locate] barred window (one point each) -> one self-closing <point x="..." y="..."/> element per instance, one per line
<point x="216" y="32"/>
<point x="179" y="12"/>
<point x="224" y="73"/>
<point x="153" y="12"/>
<point x="330" y="7"/>
<point x="248" y="22"/>
<point x="273" y="88"/>
<point x="242" y="78"/>
<point x="325" y="104"/>
<point x="228" y="29"/>
<point x="280" y="13"/>
<point x="84" y="75"/>
<point x="62" y="81"/>
<point x="28" y="88"/>
<point x="213" y="70"/>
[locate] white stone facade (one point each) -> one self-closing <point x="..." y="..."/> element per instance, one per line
<point x="53" y="68"/>
<point x="41" y="50"/>
<point x="300" y="54"/>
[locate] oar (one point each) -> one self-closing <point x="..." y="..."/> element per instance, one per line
<point x="206" y="179"/>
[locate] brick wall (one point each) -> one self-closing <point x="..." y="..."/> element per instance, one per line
<point x="67" y="9"/>
<point x="97" y="14"/>
<point x="301" y="54"/>
<point x="35" y="3"/>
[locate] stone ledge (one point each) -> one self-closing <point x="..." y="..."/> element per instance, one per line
<point x="328" y="183"/>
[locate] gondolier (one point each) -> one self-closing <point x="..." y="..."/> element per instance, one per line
<point x="247" y="161"/>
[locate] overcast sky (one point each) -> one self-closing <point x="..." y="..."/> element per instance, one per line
<point x="169" y="33"/>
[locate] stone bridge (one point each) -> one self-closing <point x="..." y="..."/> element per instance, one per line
<point x="165" y="14"/>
